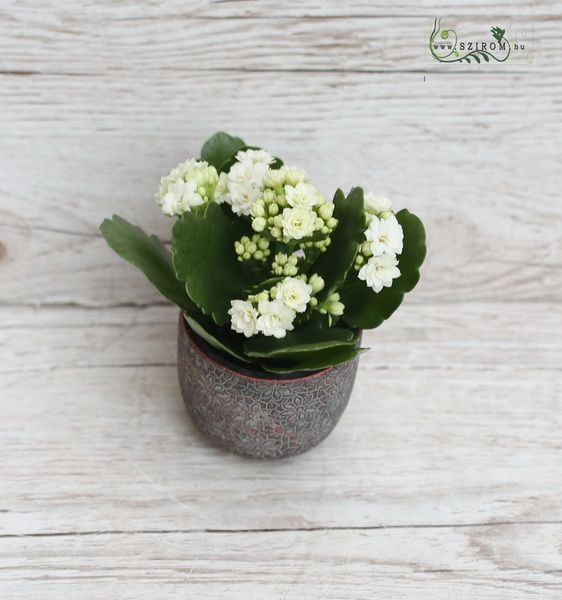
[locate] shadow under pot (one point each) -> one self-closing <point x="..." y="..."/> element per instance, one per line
<point x="255" y="413"/>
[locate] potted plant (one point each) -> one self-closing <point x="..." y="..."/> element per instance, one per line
<point x="274" y="284"/>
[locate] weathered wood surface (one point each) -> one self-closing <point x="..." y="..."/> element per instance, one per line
<point x="468" y="166"/>
<point x="443" y="479"/>
<point x="463" y="563"/>
<point x="109" y="44"/>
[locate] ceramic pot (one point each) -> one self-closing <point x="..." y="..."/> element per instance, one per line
<point x="255" y="413"/>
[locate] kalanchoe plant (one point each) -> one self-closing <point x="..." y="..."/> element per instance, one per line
<point x="264" y="268"/>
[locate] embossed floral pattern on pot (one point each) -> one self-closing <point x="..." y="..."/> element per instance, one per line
<point x="254" y="413"/>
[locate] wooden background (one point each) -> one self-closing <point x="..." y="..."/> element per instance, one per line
<point x="444" y="478"/>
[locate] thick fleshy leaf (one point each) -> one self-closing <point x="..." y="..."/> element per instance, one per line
<point x="204" y="258"/>
<point x="219" y="148"/>
<point x="334" y="264"/>
<point x="310" y="339"/>
<point x="366" y="309"/>
<point x="150" y="256"/>
<point x="312" y="361"/>
<point x="213" y="340"/>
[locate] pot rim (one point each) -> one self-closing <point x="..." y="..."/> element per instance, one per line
<point x="281" y="379"/>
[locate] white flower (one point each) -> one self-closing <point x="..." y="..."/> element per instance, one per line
<point x="298" y="222"/>
<point x="244" y="183"/>
<point x="221" y="191"/>
<point x="169" y="204"/>
<point x="275" y="318"/>
<point x="242" y="197"/>
<point x="303" y="194"/>
<point x="274" y="178"/>
<point x="190" y="184"/>
<point x="376" y="204"/>
<point x="295" y="293"/>
<point x="244" y="317"/>
<point x="293" y="176"/>
<point x="255" y="156"/>
<point x="385" y="235"/>
<point x="380" y="271"/>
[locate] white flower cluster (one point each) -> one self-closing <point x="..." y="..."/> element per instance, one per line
<point x="190" y="184"/>
<point x="291" y="208"/>
<point x="272" y="313"/>
<point x="243" y="184"/>
<point x="384" y="241"/>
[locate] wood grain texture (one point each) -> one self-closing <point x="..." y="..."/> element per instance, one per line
<point x="493" y="562"/>
<point x="435" y="434"/>
<point x="467" y="176"/>
<point x="107" y="43"/>
<point x="56" y="13"/>
<point x="442" y="480"/>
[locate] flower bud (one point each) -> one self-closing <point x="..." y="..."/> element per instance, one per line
<point x="276" y="232"/>
<point x="259" y="224"/>
<point x="366" y="249"/>
<point x="258" y="255"/>
<point x="251" y="247"/>
<point x="326" y="210"/>
<point x="258" y="209"/>
<point x="316" y="282"/>
<point x="246" y="256"/>
<point x="331" y="223"/>
<point x="238" y="248"/>
<point x="319" y="223"/>
<point x="273" y="209"/>
<point x="263" y="244"/>
<point x="335" y="308"/>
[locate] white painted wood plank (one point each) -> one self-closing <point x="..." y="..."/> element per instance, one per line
<point x="59" y="14"/>
<point x="458" y="337"/>
<point x="75" y="45"/>
<point x="488" y="239"/>
<point x="515" y="562"/>
<point x="452" y="406"/>
<point x="113" y="449"/>
<point x="44" y="268"/>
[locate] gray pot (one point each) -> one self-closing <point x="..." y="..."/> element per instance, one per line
<point x="255" y="413"/>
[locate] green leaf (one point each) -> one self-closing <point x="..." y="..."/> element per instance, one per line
<point x="366" y="309"/>
<point x="313" y="361"/>
<point x="263" y="285"/>
<point x="309" y="339"/>
<point x="334" y="264"/>
<point x="219" y="148"/>
<point x="150" y="256"/>
<point x="213" y="340"/>
<point x="414" y="252"/>
<point x="204" y="257"/>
